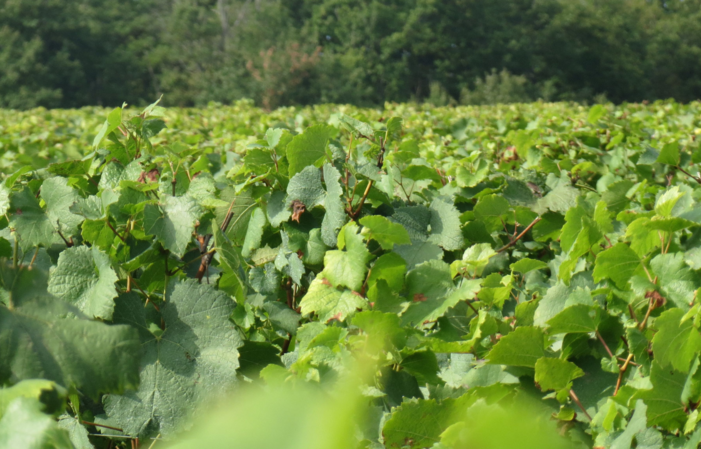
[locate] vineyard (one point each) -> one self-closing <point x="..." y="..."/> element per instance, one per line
<point x="517" y="276"/>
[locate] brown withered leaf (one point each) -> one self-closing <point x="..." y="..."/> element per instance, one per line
<point x="152" y="176"/>
<point x="298" y="208"/>
<point x="658" y="299"/>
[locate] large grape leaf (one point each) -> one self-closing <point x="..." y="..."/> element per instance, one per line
<point x="675" y="342"/>
<point x="347" y="268"/>
<point x="172" y="221"/>
<point x="676" y="280"/>
<point x="30" y="221"/>
<point x="555" y="374"/>
<point x="85" y="278"/>
<point x="307" y="148"/>
<point x="254" y="234"/>
<point x="431" y="291"/>
<point x="384" y="232"/>
<point x="306" y="188"/>
<point x="664" y="401"/>
<point x="77" y="433"/>
<point x="522" y="347"/>
<point x="616" y="263"/>
<point x="59" y="197"/>
<point x="47" y="338"/>
<point x="445" y="225"/>
<point x="193" y="359"/>
<point x="335" y="216"/>
<point x="24" y="426"/>
<point x="418" y="424"/>
<point x="329" y="302"/>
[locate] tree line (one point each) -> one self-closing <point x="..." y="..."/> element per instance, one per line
<point x="71" y="53"/>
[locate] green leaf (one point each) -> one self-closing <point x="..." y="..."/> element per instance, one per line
<point x="172" y="222"/>
<point x="74" y="352"/>
<point x="391" y="268"/>
<point x="254" y="234"/>
<point x="241" y="206"/>
<point x="418" y="252"/>
<point x="31" y="223"/>
<point x="307" y="148"/>
<point x="431" y="292"/>
<point x="555" y="374"/>
<point x="578" y="318"/>
<point x="617" y="263"/>
<point x="560" y="199"/>
<point x="522" y="347"/>
<point x="637" y="423"/>
<point x="678" y="283"/>
<point x="669" y="154"/>
<point x="347" y="268"/>
<point x="306" y="187"/>
<point x="615" y="195"/>
<point x="330" y="303"/>
<point x="4" y="199"/>
<point x="667" y="200"/>
<point x="384" y="232"/>
<point x="394" y="129"/>
<point x="596" y="113"/>
<point x="114" y="119"/>
<point x="445" y="225"/>
<point x="77" y="433"/>
<point x="193" y="359"/>
<point x="675" y="342"/>
<point x="229" y="254"/>
<point x="474" y="260"/>
<point x="356" y="126"/>
<point x="85" y="278"/>
<point x="59" y="197"/>
<point x="335" y="216"/>
<point x="24" y="426"/>
<point x="424" y="366"/>
<point x="282" y="316"/>
<point x="417" y="424"/>
<point x="277" y="210"/>
<point x="383" y="329"/>
<point x="420" y="173"/>
<point x="526" y="265"/>
<point x="490" y="209"/>
<point x="49" y="393"/>
<point x="256" y="355"/>
<point x="642" y="241"/>
<point x="664" y="405"/>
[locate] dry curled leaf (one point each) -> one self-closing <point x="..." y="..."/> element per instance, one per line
<point x="298" y="208"/>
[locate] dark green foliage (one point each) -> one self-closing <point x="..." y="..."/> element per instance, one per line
<point x="280" y="52"/>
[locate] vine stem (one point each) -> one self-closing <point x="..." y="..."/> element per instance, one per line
<point x="207" y="258"/>
<point x="601" y="339"/>
<point x="695" y="178"/>
<point x="286" y="345"/>
<point x="115" y="231"/>
<point x="621" y="373"/>
<point x="647" y="315"/>
<point x="154" y="441"/>
<point x="520" y="236"/>
<point x="88" y="423"/>
<point x="355" y="214"/>
<point x="579" y="404"/>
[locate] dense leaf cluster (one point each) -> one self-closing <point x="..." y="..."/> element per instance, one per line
<point x="468" y="260"/>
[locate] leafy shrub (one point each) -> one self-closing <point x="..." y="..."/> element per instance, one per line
<point x="497" y="88"/>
